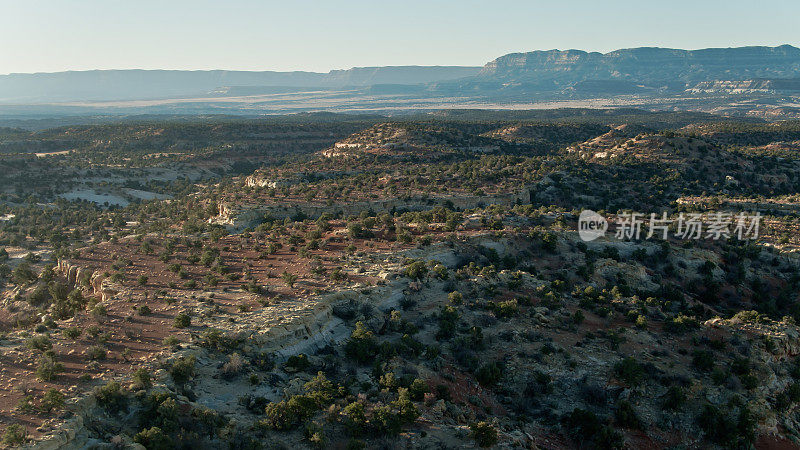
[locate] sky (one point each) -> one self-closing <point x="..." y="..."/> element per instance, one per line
<point x="58" y="35"/>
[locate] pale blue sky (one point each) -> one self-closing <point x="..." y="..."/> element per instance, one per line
<point x="55" y="35"/>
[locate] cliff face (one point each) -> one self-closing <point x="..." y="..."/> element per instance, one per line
<point x="77" y="275"/>
<point x="647" y="65"/>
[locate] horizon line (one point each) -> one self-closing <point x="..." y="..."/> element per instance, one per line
<point x="131" y="69"/>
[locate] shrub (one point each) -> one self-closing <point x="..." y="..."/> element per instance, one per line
<point x="154" y="439"/>
<point x="66" y="308"/>
<point x="729" y="428"/>
<point x="48" y="368"/>
<point x="680" y="324"/>
<point x="485" y="434"/>
<point x="96" y="353"/>
<point x="182" y="320"/>
<point x="72" y="333"/>
<point x="703" y="360"/>
<point x="39" y="342"/>
<point x="171" y="341"/>
<point x="629" y="371"/>
<point x="353" y="417"/>
<point x="584" y="426"/>
<point x="298" y="362"/>
<point x="182" y="369"/>
<point x="674" y="398"/>
<point x="286" y="414"/>
<point x="39" y="297"/>
<point x="15" y="435"/>
<point x="489" y="374"/>
<point x="626" y="416"/>
<point x="416" y="270"/>
<point x="53" y="399"/>
<point x="289" y="278"/>
<point x="740" y="366"/>
<point x="390" y="419"/>
<point x="232" y="367"/>
<point x="355" y="230"/>
<point x="99" y="311"/>
<point x="455" y="298"/>
<point x="418" y="389"/>
<point x="361" y="346"/>
<point x="111" y="396"/>
<point x="506" y="309"/>
<point x="23" y="274"/>
<point x="448" y="319"/>
<point x="25" y="404"/>
<point x="142" y="379"/>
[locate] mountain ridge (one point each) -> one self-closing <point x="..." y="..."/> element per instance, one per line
<point x="646" y="64"/>
<point x="712" y="79"/>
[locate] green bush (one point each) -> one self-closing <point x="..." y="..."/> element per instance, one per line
<point x="680" y="324"/>
<point x="674" y="398"/>
<point x="448" y="319"/>
<point x="629" y="371"/>
<point x="111" y="396"/>
<point x="39" y="342"/>
<point x="142" y="379"/>
<point x="703" y="360"/>
<point x="416" y="270"/>
<point x="287" y="414"/>
<point x="626" y="416"/>
<point x="455" y="298"/>
<point x="23" y="274"/>
<point x="505" y="309"/>
<point x="182" y="369"/>
<point x="418" y="389"/>
<point x="53" y="399"/>
<point x="489" y="374"/>
<point x="484" y="433"/>
<point x="96" y="353"/>
<point x="154" y="439"/>
<point x="25" y="404"/>
<point x="584" y="426"/>
<point x="298" y="362"/>
<point x="182" y="320"/>
<point x="730" y="427"/>
<point x="354" y="418"/>
<point x="361" y="346"/>
<point x="48" y="368"/>
<point x="390" y="419"/>
<point x="99" y="311"/>
<point x="72" y="332"/>
<point x="15" y="435"/>
<point x="289" y="278"/>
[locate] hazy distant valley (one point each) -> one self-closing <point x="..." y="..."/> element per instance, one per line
<point x="746" y="81"/>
